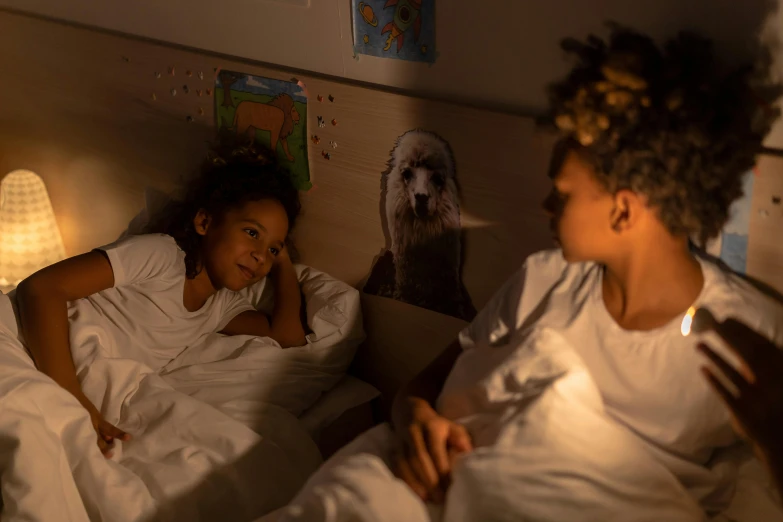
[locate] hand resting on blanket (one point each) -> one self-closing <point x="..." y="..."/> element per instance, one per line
<point x="106" y="431"/>
<point x="428" y="445"/>
<point x="427" y="442"/>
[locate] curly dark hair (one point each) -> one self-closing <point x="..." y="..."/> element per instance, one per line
<point x="671" y="123"/>
<point x="230" y="176"/>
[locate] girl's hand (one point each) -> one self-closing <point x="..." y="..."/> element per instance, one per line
<point x="107" y="433"/>
<point x="428" y="445"/>
<point x="757" y="403"/>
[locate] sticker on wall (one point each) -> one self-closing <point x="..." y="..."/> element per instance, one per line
<point x="421" y="264"/>
<point x="731" y="246"/>
<point x="401" y="29"/>
<point x="271" y="112"/>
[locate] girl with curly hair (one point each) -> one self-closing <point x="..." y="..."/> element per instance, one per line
<point x="653" y="145"/>
<point x="148" y="297"/>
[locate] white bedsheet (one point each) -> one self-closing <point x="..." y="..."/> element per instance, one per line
<point x="545" y="451"/>
<point x="187" y="460"/>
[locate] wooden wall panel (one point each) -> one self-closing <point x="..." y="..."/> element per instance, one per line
<point x="765" y="241"/>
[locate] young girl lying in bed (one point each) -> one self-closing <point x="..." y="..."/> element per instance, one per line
<point x="149" y="297"/>
<point x="654" y="146"/>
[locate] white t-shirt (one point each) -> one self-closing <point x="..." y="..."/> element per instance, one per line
<point x="649" y="380"/>
<point x="143" y="317"/>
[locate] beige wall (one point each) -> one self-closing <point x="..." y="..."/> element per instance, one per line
<point x="492" y="53"/>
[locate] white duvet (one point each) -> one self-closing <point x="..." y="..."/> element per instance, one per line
<point x="545" y="450"/>
<point x="215" y="435"/>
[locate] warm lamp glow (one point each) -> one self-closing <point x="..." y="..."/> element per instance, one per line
<point x="29" y="237"/>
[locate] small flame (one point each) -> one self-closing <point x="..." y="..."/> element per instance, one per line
<point x="687" y="321"/>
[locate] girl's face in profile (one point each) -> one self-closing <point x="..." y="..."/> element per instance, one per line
<point x="241" y="248"/>
<point x="581" y="212"/>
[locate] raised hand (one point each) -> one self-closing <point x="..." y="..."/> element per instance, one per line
<point x="756" y="402"/>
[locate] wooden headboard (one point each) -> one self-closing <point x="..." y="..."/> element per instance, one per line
<point x="78" y="109"/>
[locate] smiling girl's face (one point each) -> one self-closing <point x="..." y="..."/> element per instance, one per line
<point x="241" y="248"/>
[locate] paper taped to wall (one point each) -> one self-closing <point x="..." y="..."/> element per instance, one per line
<point x="271" y="112"/>
<point x="401" y="29"/>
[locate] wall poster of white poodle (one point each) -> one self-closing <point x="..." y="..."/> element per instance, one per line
<point x="420" y="212"/>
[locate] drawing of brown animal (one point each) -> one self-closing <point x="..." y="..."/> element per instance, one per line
<point x="278" y="116"/>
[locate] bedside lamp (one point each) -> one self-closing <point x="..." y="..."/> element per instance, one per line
<point x="29" y="237"/>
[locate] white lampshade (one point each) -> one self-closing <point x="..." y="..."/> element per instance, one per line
<point x="29" y="237"/>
